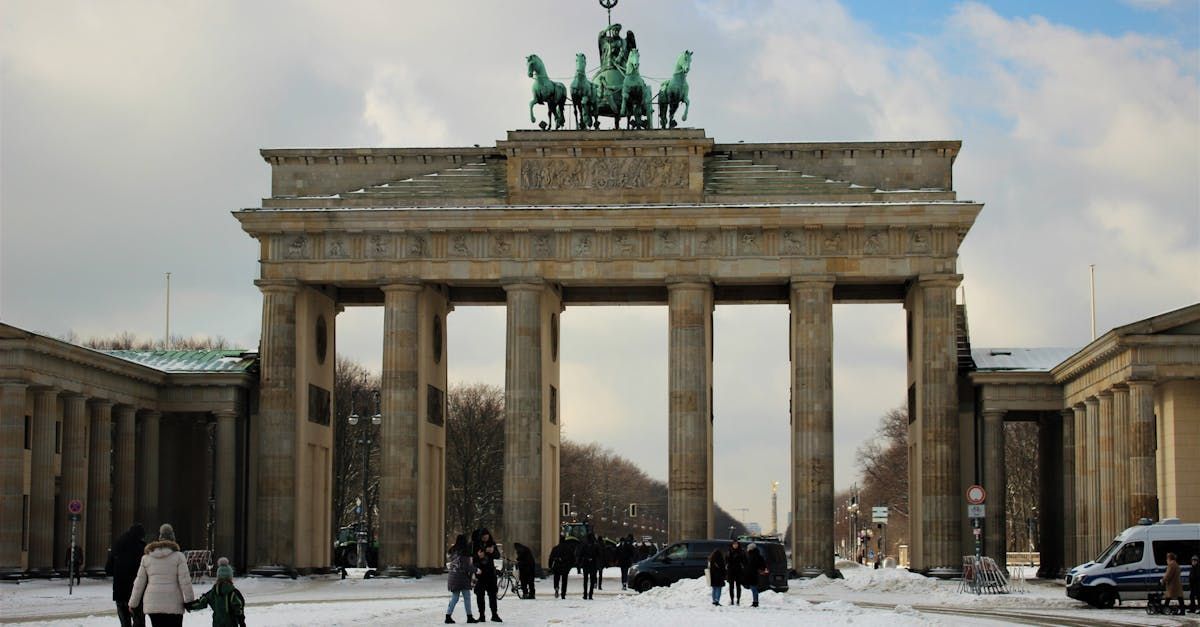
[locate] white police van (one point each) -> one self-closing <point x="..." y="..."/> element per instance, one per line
<point x="1133" y="565"/>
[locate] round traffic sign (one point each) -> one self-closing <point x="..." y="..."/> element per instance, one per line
<point x="976" y="495"/>
<point x="75" y="506"/>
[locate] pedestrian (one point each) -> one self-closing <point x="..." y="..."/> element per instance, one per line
<point x="647" y="550"/>
<point x="588" y="559"/>
<point x="562" y="560"/>
<point x="227" y="603"/>
<point x="625" y="552"/>
<point x="1193" y="589"/>
<point x="163" y="583"/>
<point x="74" y="562"/>
<point x="735" y="565"/>
<point x="486" y="584"/>
<point x="525" y="569"/>
<point x="755" y="567"/>
<point x="459" y="569"/>
<point x="122" y="565"/>
<point x="603" y="552"/>
<point x="1173" y="583"/>
<point x="716" y="575"/>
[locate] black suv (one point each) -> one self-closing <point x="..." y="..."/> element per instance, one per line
<point x="688" y="559"/>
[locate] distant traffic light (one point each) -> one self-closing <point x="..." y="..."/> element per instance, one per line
<point x="633" y="510"/>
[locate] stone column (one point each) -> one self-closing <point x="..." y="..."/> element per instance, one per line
<point x="398" y="469"/>
<point x="275" y="532"/>
<point x="226" y="487"/>
<point x="12" y="476"/>
<point x="123" y="467"/>
<point x="1143" y="468"/>
<point x="74" y="469"/>
<point x="1092" y="413"/>
<point x="41" y="482"/>
<point x="1107" y="478"/>
<point x="1120" y="406"/>
<point x="1081" y="486"/>
<point x="148" y="508"/>
<point x="1070" y="504"/>
<point x="98" y="508"/>
<point x="995" y="533"/>
<point x="937" y="400"/>
<point x="812" y="425"/>
<point x="689" y="430"/>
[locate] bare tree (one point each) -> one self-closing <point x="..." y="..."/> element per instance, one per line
<point x="1021" y="485"/>
<point x="352" y="393"/>
<point x="883" y="461"/>
<point x="474" y="458"/>
<point x="128" y="340"/>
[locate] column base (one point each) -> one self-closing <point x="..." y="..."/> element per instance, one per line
<point x="397" y="572"/>
<point x="11" y="573"/>
<point x="942" y="572"/>
<point x="809" y="572"/>
<point x="273" y="570"/>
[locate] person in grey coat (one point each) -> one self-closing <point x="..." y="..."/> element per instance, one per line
<point x="459" y="568"/>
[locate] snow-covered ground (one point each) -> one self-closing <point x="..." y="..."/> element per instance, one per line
<point x="891" y="597"/>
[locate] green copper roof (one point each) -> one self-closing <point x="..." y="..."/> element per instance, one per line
<point x="231" y="360"/>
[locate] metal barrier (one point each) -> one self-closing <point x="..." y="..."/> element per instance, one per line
<point x="982" y="576"/>
<point x="199" y="563"/>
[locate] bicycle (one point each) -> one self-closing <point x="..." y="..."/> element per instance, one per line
<point x="508" y="580"/>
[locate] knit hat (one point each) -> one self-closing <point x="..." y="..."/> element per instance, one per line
<point x="224" y="570"/>
<point x="166" y="532"/>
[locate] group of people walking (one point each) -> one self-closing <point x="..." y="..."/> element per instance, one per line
<point x="153" y="580"/>
<point x="740" y="569"/>
<point x="590" y="557"/>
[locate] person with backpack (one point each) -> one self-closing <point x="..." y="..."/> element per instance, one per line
<point x="525" y="569"/>
<point x="735" y="566"/>
<point x="562" y="560"/>
<point x="227" y="603"/>
<point x="588" y="559"/>
<point x="625" y="551"/>
<point x="459" y="569"/>
<point x="716" y="575"/>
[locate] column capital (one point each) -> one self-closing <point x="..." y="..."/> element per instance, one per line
<point x="44" y="390"/>
<point x="225" y="414"/>
<point x="520" y="284"/>
<point x="1140" y="384"/>
<point x="13" y="385"/>
<point x="1091" y="401"/>
<point x="1067" y="412"/>
<point x="939" y="280"/>
<point x="694" y="282"/>
<point x="402" y="285"/>
<point x="991" y="413"/>
<point x="101" y="403"/>
<point x="149" y="413"/>
<point x="278" y="285"/>
<point x="1102" y="394"/>
<point x="811" y="281"/>
<point x="124" y="408"/>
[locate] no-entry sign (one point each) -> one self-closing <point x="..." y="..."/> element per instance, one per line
<point x="976" y="495"/>
<point x="75" y="506"/>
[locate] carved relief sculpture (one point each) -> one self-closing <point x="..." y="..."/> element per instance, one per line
<point x="541" y="245"/>
<point x="875" y="243"/>
<point x="298" y="248"/>
<point x="459" y="246"/>
<point x="337" y="249"/>
<point x="833" y="244"/>
<point x="793" y="242"/>
<point x="379" y="246"/>
<point x="417" y="246"/>
<point x="501" y="245"/>
<point x="604" y="173"/>
<point x="919" y="242"/>
<point x="708" y="243"/>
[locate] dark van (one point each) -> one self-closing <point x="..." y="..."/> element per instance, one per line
<point x="688" y="559"/>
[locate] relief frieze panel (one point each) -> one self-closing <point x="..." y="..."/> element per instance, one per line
<point x="626" y="244"/>
<point x="667" y="243"/>
<point x="297" y="246"/>
<point x="543" y="245"/>
<point x="875" y="243"/>
<point x="919" y="241"/>
<point x="380" y="246"/>
<point x="833" y="242"/>
<point x="708" y="243"/>
<point x="417" y="245"/>
<point x="583" y="245"/>
<point x="604" y="173"/>
<point x="750" y="242"/>
<point x="336" y="247"/>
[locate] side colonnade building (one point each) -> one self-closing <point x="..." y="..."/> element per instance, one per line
<point x="136" y="436"/>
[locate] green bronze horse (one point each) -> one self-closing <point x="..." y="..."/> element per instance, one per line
<point x="583" y="97"/>
<point x="547" y="92"/>
<point x="636" y="96"/>
<point x="675" y="91"/>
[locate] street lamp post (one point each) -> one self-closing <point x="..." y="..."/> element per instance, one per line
<point x="363" y="537"/>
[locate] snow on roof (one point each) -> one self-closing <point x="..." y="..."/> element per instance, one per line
<point x="1020" y="359"/>
<point x="230" y="360"/>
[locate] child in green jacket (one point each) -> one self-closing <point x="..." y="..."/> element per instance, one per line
<point x="227" y="603"/>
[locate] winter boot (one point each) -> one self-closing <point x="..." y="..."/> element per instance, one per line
<point x="471" y="619"/>
<point x="495" y="618"/>
<point x="449" y="620"/>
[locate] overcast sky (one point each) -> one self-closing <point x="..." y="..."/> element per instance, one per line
<point x="130" y="130"/>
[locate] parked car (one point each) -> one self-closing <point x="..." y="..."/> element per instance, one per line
<point x="688" y="559"/>
<point x="1132" y="566"/>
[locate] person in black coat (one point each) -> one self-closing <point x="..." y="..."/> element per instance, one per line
<point x="602" y="547"/>
<point x="588" y="559"/>
<point x="122" y="565"/>
<point x="735" y="565"/>
<point x="756" y="567"/>
<point x="562" y="560"/>
<point x="1193" y="583"/>
<point x="486" y="557"/>
<point x="716" y="574"/>
<point x="625" y="551"/>
<point x="525" y="569"/>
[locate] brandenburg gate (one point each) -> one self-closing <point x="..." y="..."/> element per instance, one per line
<point x="545" y="220"/>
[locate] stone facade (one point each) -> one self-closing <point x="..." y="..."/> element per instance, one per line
<point x="126" y="433"/>
<point x="1118" y="418"/>
<point x="546" y="220"/>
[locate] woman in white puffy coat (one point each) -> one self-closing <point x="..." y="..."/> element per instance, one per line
<point x="163" y="583"/>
